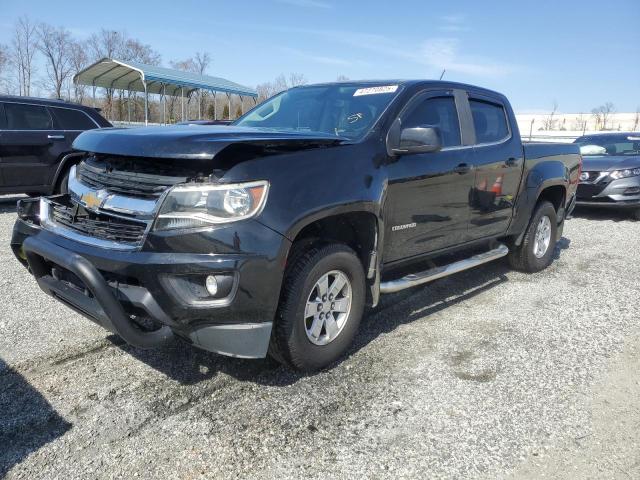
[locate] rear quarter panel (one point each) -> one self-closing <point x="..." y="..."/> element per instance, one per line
<point x="546" y="165"/>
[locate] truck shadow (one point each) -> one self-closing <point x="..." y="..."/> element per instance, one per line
<point x="27" y="420"/>
<point x="189" y="365"/>
<point x="600" y="214"/>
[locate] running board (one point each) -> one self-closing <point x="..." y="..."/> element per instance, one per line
<point x="432" y="274"/>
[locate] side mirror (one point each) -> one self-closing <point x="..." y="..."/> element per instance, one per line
<point x="422" y="139"/>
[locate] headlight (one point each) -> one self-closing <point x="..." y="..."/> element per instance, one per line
<point x="629" y="172"/>
<point x="201" y="205"/>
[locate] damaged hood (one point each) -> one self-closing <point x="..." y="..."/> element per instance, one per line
<point x="195" y="142"/>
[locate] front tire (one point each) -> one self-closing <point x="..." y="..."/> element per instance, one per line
<point x="535" y="253"/>
<point x="320" y="309"/>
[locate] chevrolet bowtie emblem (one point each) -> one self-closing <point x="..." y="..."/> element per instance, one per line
<point x="94" y="199"/>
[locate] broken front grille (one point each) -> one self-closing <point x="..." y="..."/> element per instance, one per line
<point x="104" y="227"/>
<point x="139" y="178"/>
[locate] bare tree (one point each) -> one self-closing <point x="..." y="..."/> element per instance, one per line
<point x="342" y="78"/>
<point x="579" y="123"/>
<point x="549" y="122"/>
<point x="269" y="89"/>
<point x="55" y="45"/>
<point x="4" y="63"/>
<point x="602" y="115"/>
<point x="106" y="44"/>
<point x="134" y="50"/>
<point x="201" y="62"/>
<point x="24" y="46"/>
<point x="79" y="59"/>
<point x="297" y="79"/>
<point x="636" y="119"/>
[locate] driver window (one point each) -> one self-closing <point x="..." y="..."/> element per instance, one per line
<point x="437" y="112"/>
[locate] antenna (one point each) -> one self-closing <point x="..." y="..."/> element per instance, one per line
<point x="442" y="74"/>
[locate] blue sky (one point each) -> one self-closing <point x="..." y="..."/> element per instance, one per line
<point x="580" y="53"/>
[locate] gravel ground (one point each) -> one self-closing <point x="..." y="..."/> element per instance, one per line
<point x="487" y="374"/>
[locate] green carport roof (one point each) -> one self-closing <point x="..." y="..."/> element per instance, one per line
<point x="132" y="76"/>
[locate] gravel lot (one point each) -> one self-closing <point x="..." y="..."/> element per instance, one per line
<point x="487" y="374"/>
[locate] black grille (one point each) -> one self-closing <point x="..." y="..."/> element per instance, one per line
<point x="586" y="191"/>
<point x="591" y="176"/>
<point x="100" y="226"/>
<point x="137" y="180"/>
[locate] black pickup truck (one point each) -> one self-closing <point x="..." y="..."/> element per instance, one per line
<point x="271" y="235"/>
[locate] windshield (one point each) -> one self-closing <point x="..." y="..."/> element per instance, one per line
<point x="343" y="110"/>
<point x="623" y="144"/>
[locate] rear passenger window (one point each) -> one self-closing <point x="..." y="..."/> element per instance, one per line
<point x="27" y="117"/>
<point x="489" y="120"/>
<point x="437" y="112"/>
<point x="69" y="119"/>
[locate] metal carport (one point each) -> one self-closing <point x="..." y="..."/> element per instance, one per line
<point x="137" y="77"/>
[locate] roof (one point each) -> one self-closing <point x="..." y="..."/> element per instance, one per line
<point x="112" y="73"/>
<point x="51" y="102"/>
<point x="410" y="83"/>
<point x="43" y="101"/>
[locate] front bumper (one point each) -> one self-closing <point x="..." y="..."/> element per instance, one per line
<point x="113" y="287"/>
<point x="607" y="193"/>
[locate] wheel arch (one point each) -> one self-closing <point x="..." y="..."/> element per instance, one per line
<point x="66" y="162"/>
<point x="357" y="228"/>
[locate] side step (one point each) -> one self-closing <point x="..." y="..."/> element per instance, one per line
<point x="427" y="276"/>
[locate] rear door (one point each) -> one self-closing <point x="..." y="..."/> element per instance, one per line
<point x="428" y="194"/>
<point x="498" y="162"/>
<point x="3" y="126"/>
<point x="72" y="122"/>
<point x="30" y="147"/>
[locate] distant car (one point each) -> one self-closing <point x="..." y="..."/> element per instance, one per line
<point x="35" y="142"/>
<point x="205" y="122"/>
<point x="611" y="171"/>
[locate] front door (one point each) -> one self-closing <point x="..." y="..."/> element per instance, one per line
<point x="428" y="194"/>
<point x="30" y="146"/>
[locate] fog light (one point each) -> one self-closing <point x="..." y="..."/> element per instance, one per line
<point x="212" y="285"/>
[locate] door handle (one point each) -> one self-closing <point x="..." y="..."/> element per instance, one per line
<point x="55" y="137"/>
<point x="511" y="162"/>
<point x="462" y="168"/>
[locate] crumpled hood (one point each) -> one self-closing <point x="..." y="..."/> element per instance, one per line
<point x="606" y="163"/>
<point x="194" y="142"/>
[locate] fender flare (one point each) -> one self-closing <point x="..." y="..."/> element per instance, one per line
<point x="67" y="159"/>
<point x="371" y="259"/>
<point x="533" y="195"/>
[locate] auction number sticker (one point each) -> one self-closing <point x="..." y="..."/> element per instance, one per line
<point x="375" y="90"/>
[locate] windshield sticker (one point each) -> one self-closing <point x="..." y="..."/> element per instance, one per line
<point x="375" y="90"/>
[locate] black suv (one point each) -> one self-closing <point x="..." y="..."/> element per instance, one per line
<point x="35" y="142"/>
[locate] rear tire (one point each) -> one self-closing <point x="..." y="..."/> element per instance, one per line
<point x="535" y="253"/>
<point x="315" y="324"/>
